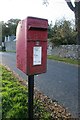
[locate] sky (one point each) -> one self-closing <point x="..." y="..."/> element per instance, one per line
<point x="57" y="9"/>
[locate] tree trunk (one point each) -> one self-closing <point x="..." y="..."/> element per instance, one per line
<point x="69" y="3"/>
<point x="77" y="19"/>
<point x="76" y="11"/>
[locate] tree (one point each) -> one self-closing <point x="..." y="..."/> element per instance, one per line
<point x="5" y="31"/>
<point x="76" y="10"/>
<point x="50" y="31"/>
<point x="1" y="32"/>
<point x="9" y="28"/>
<point x="62" y="33"/>
<point x="12" y="24"/>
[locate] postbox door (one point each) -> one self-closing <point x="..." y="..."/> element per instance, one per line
<point x="37" y="58"/>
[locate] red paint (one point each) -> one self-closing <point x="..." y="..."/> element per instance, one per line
<point x="31" y="32"/>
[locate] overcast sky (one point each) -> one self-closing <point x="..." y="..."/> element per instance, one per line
<point x="57" y="9"/>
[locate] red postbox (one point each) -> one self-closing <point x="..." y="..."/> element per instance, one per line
<point x="31" y="45"/>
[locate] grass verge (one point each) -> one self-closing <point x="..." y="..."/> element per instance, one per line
<point x="15" y="99"/>
<point x="66" y="60"/>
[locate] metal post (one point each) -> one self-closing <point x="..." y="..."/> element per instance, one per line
<point x="30" y="96"/>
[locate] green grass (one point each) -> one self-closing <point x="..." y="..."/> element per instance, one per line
<point x="66" y="60"/>
<point x="15" y="99"/>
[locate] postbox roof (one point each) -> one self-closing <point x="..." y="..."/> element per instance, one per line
<point x="34" y="22"/>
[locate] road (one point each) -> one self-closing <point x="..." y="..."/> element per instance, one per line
<point x="60" y="83"/>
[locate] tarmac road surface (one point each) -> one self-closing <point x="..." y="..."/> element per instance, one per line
<point x="60" y="83"/>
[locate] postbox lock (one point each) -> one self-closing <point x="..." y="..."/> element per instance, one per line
<point x="38" y="42"/>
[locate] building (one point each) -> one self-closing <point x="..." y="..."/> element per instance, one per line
<point x="10" y="43"/>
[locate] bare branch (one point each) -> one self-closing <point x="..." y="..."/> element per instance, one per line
<point x="45" y="2"/>
<point x="69" y="3"/>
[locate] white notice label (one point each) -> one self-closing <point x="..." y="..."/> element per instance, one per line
<point x="37" y="54"/>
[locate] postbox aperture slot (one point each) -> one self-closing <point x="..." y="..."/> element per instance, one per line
<point x="37" y="28"/>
